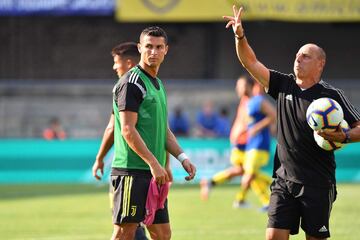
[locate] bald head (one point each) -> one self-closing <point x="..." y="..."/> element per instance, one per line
<point x="320" y="53"/>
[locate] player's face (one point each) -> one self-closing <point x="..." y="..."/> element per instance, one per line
<point x="122" y="65"/>
<point x="307" y="62"/>
<point x="241" y="87"/>
<point x="152" y="50"/>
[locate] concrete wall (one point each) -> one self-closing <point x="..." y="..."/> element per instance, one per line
<point x="84" y="107"/>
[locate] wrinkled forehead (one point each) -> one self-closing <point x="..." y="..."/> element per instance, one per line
<point x="309" y="49"/>
<point x="306" y="49"/>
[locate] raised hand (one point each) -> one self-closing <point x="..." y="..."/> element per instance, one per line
<point x="235" y="22"/>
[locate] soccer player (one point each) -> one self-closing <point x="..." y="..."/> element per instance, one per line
<point x="237" y="139"/>
<point x="261" y="114"/>
<point x="54" y="130"/>
<point x="206" y="121"/>
<point x="304" y="187"/>
<point x="125" y="56"/>
<point x="142" y="137"/>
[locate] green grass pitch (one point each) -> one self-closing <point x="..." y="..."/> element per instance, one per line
<point x="81" y="212"/>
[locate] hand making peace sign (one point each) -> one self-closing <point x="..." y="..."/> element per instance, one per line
<point x="235" y="22"/>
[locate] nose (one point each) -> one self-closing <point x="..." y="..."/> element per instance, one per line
<point x="298" y="58"/>
<point x="153" y="51"/>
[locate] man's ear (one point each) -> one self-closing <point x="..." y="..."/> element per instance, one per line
<point x="129" y="63"/>
<point x="139" y="47"/>
<point x="166" y="49"/>
<point x="322" y="64"/>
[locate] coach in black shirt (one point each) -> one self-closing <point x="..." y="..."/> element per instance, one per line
<point x="304" y="188"/>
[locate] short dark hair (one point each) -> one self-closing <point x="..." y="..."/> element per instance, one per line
<point x="126" y="49"/>
<point x="154" y="31"/>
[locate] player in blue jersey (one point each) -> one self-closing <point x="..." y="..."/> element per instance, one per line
<point x="261" y="114"/>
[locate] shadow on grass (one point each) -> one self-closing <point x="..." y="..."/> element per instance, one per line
<point x="15" y="191"/>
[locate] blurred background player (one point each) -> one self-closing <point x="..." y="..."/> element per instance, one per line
<point x="54" y="130"/>
<point x="207" y="120"/>
<point x="222" y="129"/>
<point x="179" y="122"/>
<point x="125" y="56"/>
<point x="261" y="115"/>
<point x="237" y="140"/>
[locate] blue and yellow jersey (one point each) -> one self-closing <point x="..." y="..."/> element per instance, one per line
<point x="260" y="141"/>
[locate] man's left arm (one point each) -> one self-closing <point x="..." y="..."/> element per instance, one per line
<point x="351" y="115"/>
<point x="354" y="132"/>
<point x="174" y="149"/>
<point x="353" y="135"/>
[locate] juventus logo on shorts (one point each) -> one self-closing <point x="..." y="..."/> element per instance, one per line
<point x="133" y="211"/>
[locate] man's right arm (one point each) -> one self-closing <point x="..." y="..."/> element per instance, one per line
<point x="248" y="59"/>
<point x="128" y="97"/>
<point x="106" y="144"/>
<point x="137" y="144"/>
<point x="244" y="52"/>
<point x="107" y="140"/>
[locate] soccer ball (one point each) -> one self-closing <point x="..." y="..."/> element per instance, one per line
<point x="324" y="113"/>
<point x="329" y="145"/>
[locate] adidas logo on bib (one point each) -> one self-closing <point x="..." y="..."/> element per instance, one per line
<point x="323" y="229"/>
<point x="289" y="97"/>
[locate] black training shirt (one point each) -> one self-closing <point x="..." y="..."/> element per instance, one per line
<point x="298" y="158"/>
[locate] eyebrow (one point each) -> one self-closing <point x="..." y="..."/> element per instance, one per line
<point x="156" y="45"/>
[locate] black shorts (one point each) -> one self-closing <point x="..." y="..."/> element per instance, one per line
<point x="130" y="193"/>
<point x="291" y="203"/>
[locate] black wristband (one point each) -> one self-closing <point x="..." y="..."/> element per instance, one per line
<point x="347" y="137"/>
<point x="240" y="38"/>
